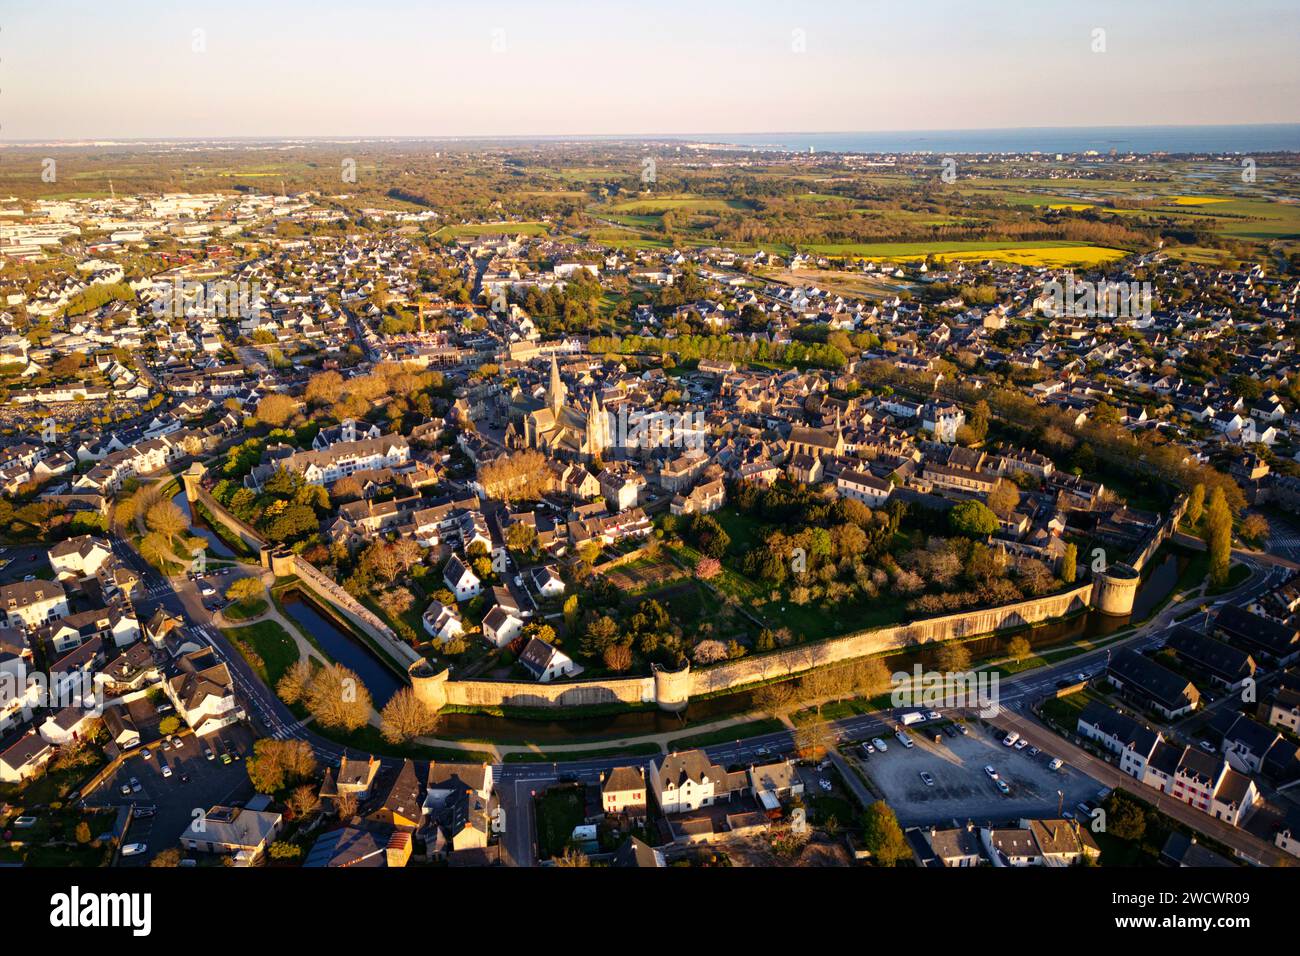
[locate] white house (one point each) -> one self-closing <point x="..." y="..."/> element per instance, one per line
<point x="33" y="603"/>
<point x="686" y="781"/>
<point x="863" y="486"/>
<point x="79" y="557"/>
<point x="500" y="626"/>
<point x="463" y="582"/>
<point x="547" y="581"/>
<point x="203" y="693"/>
<point x="544" y="662"/>
<point x="442" y="621"/>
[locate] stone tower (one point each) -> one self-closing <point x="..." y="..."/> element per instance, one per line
<point x="555" y="390"/>
<point x="597" y="428"/>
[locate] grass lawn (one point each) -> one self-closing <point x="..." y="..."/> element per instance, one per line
<point x="243" y="610"/>
<point x="559" y="810"/>
<point x="267" y="648"/>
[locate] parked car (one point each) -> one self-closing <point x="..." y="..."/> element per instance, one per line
<point x="825" y="785"/>
<point x="950" y="730"/>
<point x="207" y="752"/>
<point x="143" y="811"/>
<point x="125" y="789"/>
<point x="163" y="709"/>
<point x="1208" y="747"/>
<point x="135" y="785"/>
<point x="868" y="749"/>
<point x="935" y="715"/>
<point x="147" y="754"/>
<point x="927" y="779"/>
<point x="134" y="849"/>
<point x="1010" y="739"/>
<point x="1021" y="744"/>
<point x="225" y="758"/>
<point x="1056" y="764"/>
<point x="1002" y="787"/>
<point x="166" y="770"/>
<point x="25" y="823"/>
<point x="1034" y="751"/>
<point x="905" y="740"/>
<point x="963" y="729"/>
<point x="880" y="744"/>
<point x="988" y="769"/>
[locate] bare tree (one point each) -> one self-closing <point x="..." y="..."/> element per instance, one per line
<point x="405" y="717"/>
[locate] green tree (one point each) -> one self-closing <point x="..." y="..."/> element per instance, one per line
<point x="882" y="835"/>
<point x="973" y="519"/>
<point x="1195" y="504"/>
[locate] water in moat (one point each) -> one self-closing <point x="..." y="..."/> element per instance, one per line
<point x="216" y="546"/>
<point x="341" y="646"/>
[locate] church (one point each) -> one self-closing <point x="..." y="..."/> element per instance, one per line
<point x="562" y="430"/>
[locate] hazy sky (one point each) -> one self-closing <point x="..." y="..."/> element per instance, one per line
<point x="476" y="67"/>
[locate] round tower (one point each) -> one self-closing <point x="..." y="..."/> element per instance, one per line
<point x="1114" y="589"/>
<point x="673" y="688"/>
<point x="429" y="685"/>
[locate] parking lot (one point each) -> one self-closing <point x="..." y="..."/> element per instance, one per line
<point x="962" y="790"/>
<point x="177" y="781"/>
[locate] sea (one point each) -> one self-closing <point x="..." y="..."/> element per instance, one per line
<point x="1241" y="139"/>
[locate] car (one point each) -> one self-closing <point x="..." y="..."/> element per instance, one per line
<point x="963" y="729"/>
<point x="825" y="785"/>
<point x="927" y="779"/>
<point x="1002" y="787"/>
<point x="880" y="744"/>
<point x="824" y="764"/>
<point x="1081" y="677"/>
<point x="30" y="577"/>
<point x="1010" y="739"/>
<point x="188" y="861"/>
<point x="1208" y="747"/>
<point x="950" y="730"/>
<point x="1083" y="808"/>
<point x="868" y="748"/>
<point x="25" y="823"/>
<point x="126" y="789"/>
<point x="1034" y="751"/>
<point x="142" y="811"/>
<point x="134" y="849"/>
<point x="762" y="751"/>
<point x="163" y="709"/>
<point x="208" y="591"/>
<point x="1056" y="764"/>
<point x="135" y="785"/>
<point x="988" y="769"/>
<point x="1021" y="744"/>
<point x="207" y="753"/>
<point x="166" y="770"/>
<point x="1067" y="814"/>
<point x="905" y="740"/>
<point x="935" y="715"/>
<point x="225" y="758"/>
<point x="147" y="754"/>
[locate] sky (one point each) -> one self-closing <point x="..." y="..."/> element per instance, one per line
<point x="72" y="70"/>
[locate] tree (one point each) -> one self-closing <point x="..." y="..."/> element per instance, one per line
<point x="244" y="590"/>
<point x="167" y="858"/>
<point x="1070" y="563"/>
<point x="1125" y="818"/>
<point x="617" y="657"/>
<point x="1004" y="498"/>
<point x="1255" y="529"/>
<point x="573" y="857"/>
<point x="1195" y="504"/>
<point x="338" y="699"/>
<point x="304" y="800"/>
<point x="166" y="519"/>
<point x="952" y="658"/>
<point x="521" y="537"/>
<point x="973" y="519"/>
<point x="1218" y="537"/>
<point x="276" y="764"/>
<point x="1018" y="647"/>
<point x="293" y="682"/>
<point x="813" y="739"/>
<point x="882" y="835"/>
<point x="406" y="717"/>
<point x="169" y="725"/>
<point x="83" y="833"/>
<point x="571" y="613"/>
<point x="776" y="698"/>
<point x="276" y="409"/>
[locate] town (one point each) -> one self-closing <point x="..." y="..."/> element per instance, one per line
<point x="734" y="508"/>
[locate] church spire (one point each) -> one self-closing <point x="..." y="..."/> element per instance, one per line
<point x="555" y="392"/>
<point x="596" y="428"/>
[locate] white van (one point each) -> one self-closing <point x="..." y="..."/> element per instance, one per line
<point x="905" y="740"/>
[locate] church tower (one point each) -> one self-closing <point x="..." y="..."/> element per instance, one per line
<point x="597" y="428"/>
<point x="555" y="391"/>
